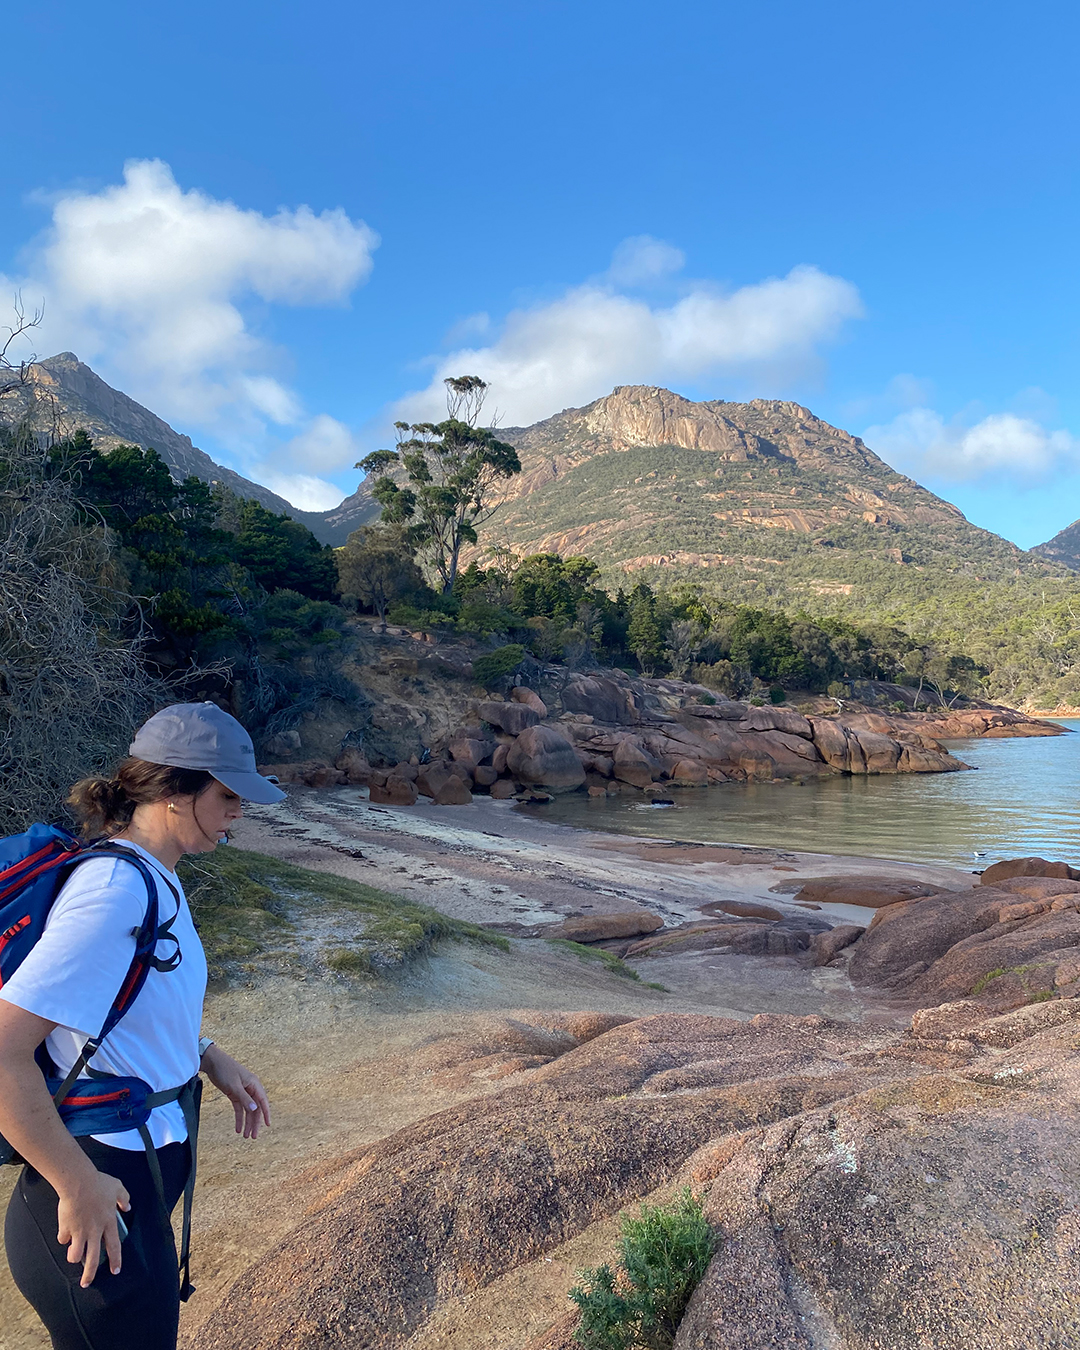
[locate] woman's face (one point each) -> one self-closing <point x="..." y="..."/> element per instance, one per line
<point x="199" y="823"/>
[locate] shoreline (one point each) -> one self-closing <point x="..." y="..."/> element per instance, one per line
<point x="491" y="863"/>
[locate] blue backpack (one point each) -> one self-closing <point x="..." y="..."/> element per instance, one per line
<point x="33" y="868"/>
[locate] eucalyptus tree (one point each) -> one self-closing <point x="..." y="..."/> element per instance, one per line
<point x="441" y="480"/>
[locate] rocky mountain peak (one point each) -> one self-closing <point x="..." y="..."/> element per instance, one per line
<point x="64" y="392"/>
<point x="635" y="415"/>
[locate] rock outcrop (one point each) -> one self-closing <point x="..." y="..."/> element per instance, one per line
<point x="1007" y="943"/>
<point x="544" y="756"/>
<point x="868" y="1189"/>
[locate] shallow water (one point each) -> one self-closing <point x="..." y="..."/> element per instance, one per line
<point x="1024" y="798"/>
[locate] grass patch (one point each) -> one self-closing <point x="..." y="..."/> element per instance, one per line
<point x="605" y="958"/>
<point x="1037" y="996"/>
<point x="983" y="980"/>
<point x="246" y="903"/>
<point x="662" y="1256"/>
<point x="348" y="961"/>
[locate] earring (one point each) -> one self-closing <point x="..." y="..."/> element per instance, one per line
<point x="171" y="807"/>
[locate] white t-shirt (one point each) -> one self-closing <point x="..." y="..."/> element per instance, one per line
<point x="73" y="975"/>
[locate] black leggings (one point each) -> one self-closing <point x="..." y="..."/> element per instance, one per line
<point x="136" y="1310"/>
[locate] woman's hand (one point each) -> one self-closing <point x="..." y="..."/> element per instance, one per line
<point x="243" y="1089"/>
<point x="86" y="1217"/>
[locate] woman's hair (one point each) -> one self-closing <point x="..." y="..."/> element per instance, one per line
<point x="104" y="806"/>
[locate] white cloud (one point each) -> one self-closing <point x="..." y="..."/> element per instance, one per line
<point x="304" y="491"/>
<point x="325" y="444"/>
<point x="576" y="348"/>
<point x="642" y="259"/>
<point x="151" y="281"/>
<point x="920" y="441"/>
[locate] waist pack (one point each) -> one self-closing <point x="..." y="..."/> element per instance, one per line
<point x="33" y="869"/>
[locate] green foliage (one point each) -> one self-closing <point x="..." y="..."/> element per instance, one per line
<point x="938" y="579"/>
<point x="294" y="623"/>
<point x="645" y="632"/>
<point x="494" y="665"/>
<point x="980" y="984"/>
<point x="281" y="554"/>
<point x="607" y="959"/>
<point x="545" y="585"/>
<point x="451" y="469"/>
<point x="201" y="561"/>
<point x="663" y="1255"/>
<point x="377" y="566"/>
<point x="554" y="606"/>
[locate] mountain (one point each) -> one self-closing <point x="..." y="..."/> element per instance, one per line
<point x="65" y="392"/>
<point x="762" y="498"/>
<point x="1064" y="548"/>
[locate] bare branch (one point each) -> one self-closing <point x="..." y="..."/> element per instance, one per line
<point x="72" y="683"/>
<point x="12" y="375"/>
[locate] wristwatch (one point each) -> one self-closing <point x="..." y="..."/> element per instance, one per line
<point x="205" y="1042"/>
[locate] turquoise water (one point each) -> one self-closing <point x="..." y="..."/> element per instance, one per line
<point x="1023" y="798"/>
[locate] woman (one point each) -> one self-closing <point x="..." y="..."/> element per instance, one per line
<point x="191" y="766"/>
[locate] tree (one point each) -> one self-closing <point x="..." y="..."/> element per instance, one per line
<point x="282" y="554"/>
<point x="451" y="469"/>
<point x="15" y="375"/>
<point x="684" y="646"/>
<point x="377" y="566"/>
<point x="545" y="584"/>
<point x="645" y="635"/>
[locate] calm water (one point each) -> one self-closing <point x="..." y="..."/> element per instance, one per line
<point x="1023" y="798"/>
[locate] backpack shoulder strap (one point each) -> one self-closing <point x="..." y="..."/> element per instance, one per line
<point x="142" y="962"/>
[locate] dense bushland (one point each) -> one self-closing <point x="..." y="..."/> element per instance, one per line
<point x="555" y="608"/>
<point x="946" y="583"/>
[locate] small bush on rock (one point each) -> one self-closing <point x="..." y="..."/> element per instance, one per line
<point x="494" y="665"/>
<point x="663" y="1255"/>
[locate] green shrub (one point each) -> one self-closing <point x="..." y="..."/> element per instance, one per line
<point x="349" y="961"/>
<point x="662" y="1256"/>
<point x="756" y="702"/>
<point x="494" y="665"/>
<point x="777" y="694"/>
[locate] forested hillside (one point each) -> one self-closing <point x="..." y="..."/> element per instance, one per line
<point x="764" y="504"/>
<point x="759" y="507"/>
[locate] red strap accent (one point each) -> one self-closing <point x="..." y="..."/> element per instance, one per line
<point x="96" y="1101"/>
<point x="13" y="931"/>
<point x="26" y="877"/>
<point x="129" y="984"/>
<point x="28" y="861"/>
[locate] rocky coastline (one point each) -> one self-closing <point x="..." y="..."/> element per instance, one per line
<point x="880" y="1122"/>
<point x="605" y="732"/>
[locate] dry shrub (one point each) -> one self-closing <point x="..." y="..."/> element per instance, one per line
<point x="72" y="685"/>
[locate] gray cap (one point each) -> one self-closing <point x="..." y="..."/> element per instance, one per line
<point x="202" y="736"/>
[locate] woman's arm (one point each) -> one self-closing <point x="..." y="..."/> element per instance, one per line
<point x="243" y="1089"/>
<point x="31" y="1124"/>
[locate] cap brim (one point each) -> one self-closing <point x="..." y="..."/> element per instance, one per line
<point x="253" y="787"/>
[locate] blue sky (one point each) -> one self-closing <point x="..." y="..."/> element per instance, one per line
<point x="869" y="209"/>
